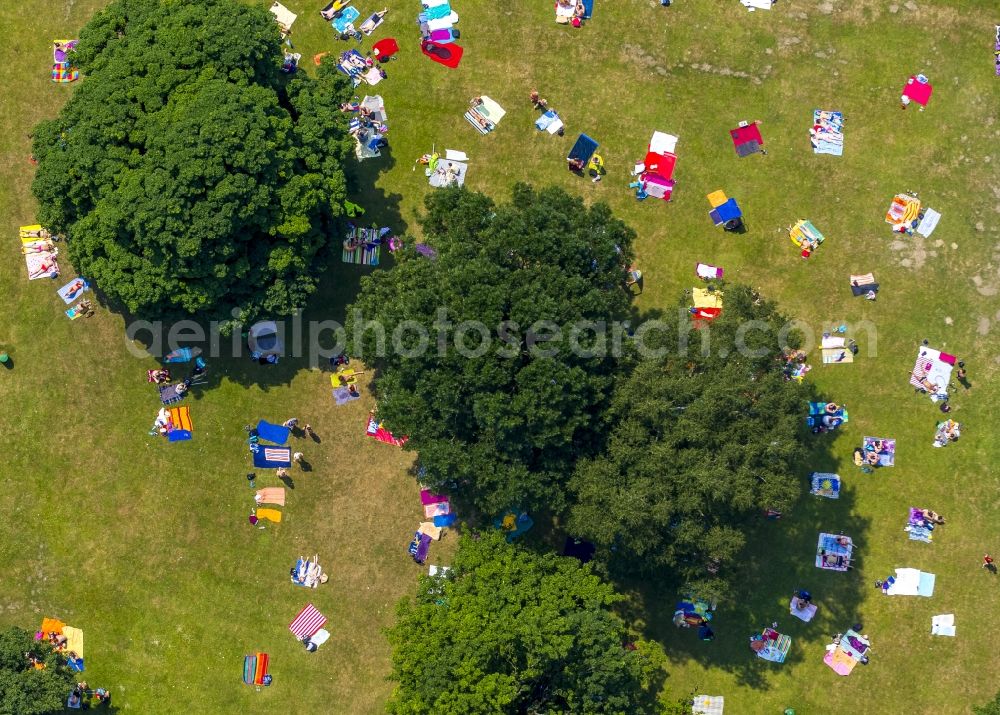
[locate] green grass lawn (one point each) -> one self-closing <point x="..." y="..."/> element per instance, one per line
<point x="146" y="546"/>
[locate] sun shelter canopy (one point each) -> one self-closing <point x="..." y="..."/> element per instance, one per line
<point x="284" y="17"/>
<point x="583" y="149"/>
<point x="747" y="139"/>
<point x="724" y="213"/>
<point x="932" y="372"/>
<point x="833" y="552"/>
<point x="918" y="89"/>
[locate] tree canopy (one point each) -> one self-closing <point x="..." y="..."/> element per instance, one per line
<point x="697" y="443"/>
<point x="25" y="690"/>
<point x="990" y="708"/>
<point x="187" y="172"/>
<point x="509" y="631"/>
<point x="498" y="422"/>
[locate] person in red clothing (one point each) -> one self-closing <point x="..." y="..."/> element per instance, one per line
<point x="988" y="563"/>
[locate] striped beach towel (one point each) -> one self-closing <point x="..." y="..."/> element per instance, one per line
<point x="307" y="622"/>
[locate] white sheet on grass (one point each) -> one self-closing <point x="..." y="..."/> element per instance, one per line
<point x="943" y="625"/>
<point x="928" y="223"/>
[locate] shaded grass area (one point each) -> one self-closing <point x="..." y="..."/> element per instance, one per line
<point x="146" y="546"/>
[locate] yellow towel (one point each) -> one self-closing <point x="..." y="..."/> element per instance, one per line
<point x="74" y="640"/>
<point x="717" y="198"/>
<point x="703" y="298"/>
<point x="269" y="514"/>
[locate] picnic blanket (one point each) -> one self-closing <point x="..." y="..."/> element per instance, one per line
<point x="440" y="177"/>
<point x="419" y="547"/>
<point x="272" y="433"/>
<point x="41" y="265"/>
<point x="347" y="17"/>
<point x="707" y="272"/>
<point x="63" y="73"/>
<point x="704" y="298"/>
<point x="265" y="457"/>
<point x="343" y="395"/>
<point x="489" y="111"/>
<point x="449" y="55"/>
<point x="255" y="668"/>
<point x="307" y="573"/>
<point x="369" y="25"/>
<point x="549" y="122"/>
<point x="943" y="625"/>
<point x="836" y="356"/>
<point x="385" y="48"/>
<point x="910" y="582"/>
<point x="918" y="89"/>
<point x="747" y="139"/>
<point x="827" y="133"/>
<point x="283" y="16"/>
<point x="887" y="453"/>
<point x="361" y="254"/>
<point x="805" y="613"/>
<point x="840" y="661"/>
<point x="583" y="148"/>
<point x="181" y="355"/>
<point x="269" y="514"/>
<point x="708" y="705"/>
<point x="919" y="532"/>
<point x="180" y="418"/>
<point x="73" y="290"/>
<point x="74" y="640"/>
<point x="928" y="223"/>
<point x="932" y="372"/>
<point x="833" y="555"/>
<point x="169" y="394"/>
<point x="430" y="529"/>
<point x="903" y="212"/>
<point x="375" y="429"/>
<point x="307" y="622"/>
<point x="775" y="648"/>
<point x="862" y="284"/>
<point x="804" y="233"/>
<point x="271" y="495"/>
<point x="825" y="484"/>
<point x="437" y="509"/>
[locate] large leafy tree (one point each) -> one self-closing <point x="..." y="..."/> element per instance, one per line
<point x="25" y="690"/>
<point x="699" y="440"/>
<point x="502" y="420"/>
<point x="990" y="708"/>
<point x="188" y="173"/>
<point x="509" y="631"/>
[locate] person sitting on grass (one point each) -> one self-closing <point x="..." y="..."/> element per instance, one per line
<point x="538" y="103"/>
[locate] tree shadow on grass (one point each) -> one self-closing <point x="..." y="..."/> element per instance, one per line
<point x="312" y="337"/>
<point x="778" y="560"/>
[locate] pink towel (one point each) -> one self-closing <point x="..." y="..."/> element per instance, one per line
<point x="427" y="498"/>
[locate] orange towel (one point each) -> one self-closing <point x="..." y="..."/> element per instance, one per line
<point x="271" y="495"/>
<point x="52" y="625"/>
<point x="180" y="418"/>
<point x="269" y="514"/>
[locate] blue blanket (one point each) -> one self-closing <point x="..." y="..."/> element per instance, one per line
<point x="265" y="457"/>
<point x="347" y="17"/>
<point x="272" y="433"/>
<point x="583" y="149"/>
<point x="438" y="12"/>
